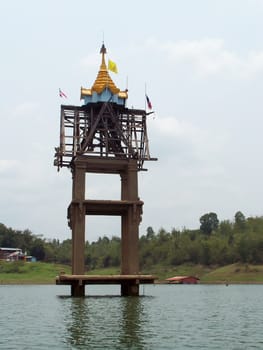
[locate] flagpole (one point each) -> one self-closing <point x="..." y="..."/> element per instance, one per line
<point x="145" y="93"/>
<point x="145" y="135"/>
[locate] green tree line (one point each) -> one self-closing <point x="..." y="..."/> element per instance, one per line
<point x="213" y="243"/>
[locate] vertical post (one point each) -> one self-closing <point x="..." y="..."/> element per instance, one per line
<point x="130" y="229"/>
<point x="78" y="228"/>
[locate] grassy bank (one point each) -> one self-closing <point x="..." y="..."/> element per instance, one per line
<point x="45" y="273"/>
<point x="26" y="273"/>
<point x="235" y="273"/>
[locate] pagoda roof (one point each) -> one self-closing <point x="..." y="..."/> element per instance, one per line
<point x="103" y="79"/>
<point x="103" y="85"/>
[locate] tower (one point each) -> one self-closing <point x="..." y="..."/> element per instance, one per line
<point x="104" y="136"/>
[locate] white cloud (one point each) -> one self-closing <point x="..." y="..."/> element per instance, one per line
<point x="170" y="126"/>
<point x="210" y="57"/>
<point x="90" y="61"/>
<point x="25" y="109"/>
<point x="171" y="131"/>
<point x="7" y="166"/>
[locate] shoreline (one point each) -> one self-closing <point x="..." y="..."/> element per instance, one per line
<point x="227" y="283"/>
<point x="42" y="273"/>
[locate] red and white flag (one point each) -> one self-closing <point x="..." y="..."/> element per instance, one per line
<point x="149" y="104"/>
<point x="62" y="94"/>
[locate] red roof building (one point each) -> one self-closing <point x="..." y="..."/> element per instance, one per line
<point x="10" y="254"/>
<point x="183" y="280"/>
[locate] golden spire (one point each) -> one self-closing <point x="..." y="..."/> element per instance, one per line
<point x="103" y="79"/>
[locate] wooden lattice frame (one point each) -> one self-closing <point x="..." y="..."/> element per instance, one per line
<point x="102" y="130"/>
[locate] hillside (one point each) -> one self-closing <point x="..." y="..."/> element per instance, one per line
<point x="45" y="273"/>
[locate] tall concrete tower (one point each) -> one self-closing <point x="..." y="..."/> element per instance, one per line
<point x="104" y="136"/>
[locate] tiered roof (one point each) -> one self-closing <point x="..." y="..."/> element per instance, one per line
<point x="103" y="86"/>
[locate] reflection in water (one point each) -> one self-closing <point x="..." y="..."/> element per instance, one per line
<point x="77" y="319"/>
<point x="92" y="322"/>
<point x="131" y="333"/>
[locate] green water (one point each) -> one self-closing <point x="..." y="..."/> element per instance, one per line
<point x="165" y="317"/>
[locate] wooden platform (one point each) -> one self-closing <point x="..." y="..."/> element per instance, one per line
<point x="104" y="279"/>
<point x="106" y="207"/>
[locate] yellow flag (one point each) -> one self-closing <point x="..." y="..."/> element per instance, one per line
<point x="112" y="66"/>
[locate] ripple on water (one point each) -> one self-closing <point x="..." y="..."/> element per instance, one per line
<point x="168" y="317"/>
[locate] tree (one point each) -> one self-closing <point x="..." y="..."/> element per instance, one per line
<point x="38" y="249"/>
<point x="149" y="233"/>
<point x="226" y="228"/>
<point x="206" y="254"/>
<point x="240" y="221"/>
<point x="209" y="222"/>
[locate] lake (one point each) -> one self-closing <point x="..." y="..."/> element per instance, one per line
<point x="164" y="317"/>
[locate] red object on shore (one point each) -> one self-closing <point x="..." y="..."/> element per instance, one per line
<point x="183" y="280"/>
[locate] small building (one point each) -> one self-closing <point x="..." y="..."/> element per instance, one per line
<point x="15" y="254"/>
<point x="10" y="254"/>
<point x="183" y="280"/>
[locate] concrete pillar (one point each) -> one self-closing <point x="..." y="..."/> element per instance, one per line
<point x="78" y="228"/>
<point x="130" y="225"/>
<point x="77" y="290"/>
<point x="130" y="288"/>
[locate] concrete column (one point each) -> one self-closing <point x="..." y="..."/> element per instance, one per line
<point x="130" y="288"/>
<point x="130" y="222"/>
<point x="129" y="184"/>
<point x="77" y="290"/>
<point x="78" y="228"/>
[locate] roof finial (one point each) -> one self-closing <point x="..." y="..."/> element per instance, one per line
<point x="103" y="52"/>
<point x="103" y="49"/>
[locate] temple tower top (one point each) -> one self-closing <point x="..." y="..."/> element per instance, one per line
<point x="103" y="88"/>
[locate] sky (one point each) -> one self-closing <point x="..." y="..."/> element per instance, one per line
<point x="202" y="65"/>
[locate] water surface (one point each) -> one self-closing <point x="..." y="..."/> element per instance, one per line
<point x="165" y="317"/>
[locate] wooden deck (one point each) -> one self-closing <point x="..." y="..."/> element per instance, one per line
<point x="106" y="207"/>
<point x="104" y="279"/>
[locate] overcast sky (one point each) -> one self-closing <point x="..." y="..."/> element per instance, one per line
<point x="202" y="61"/>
